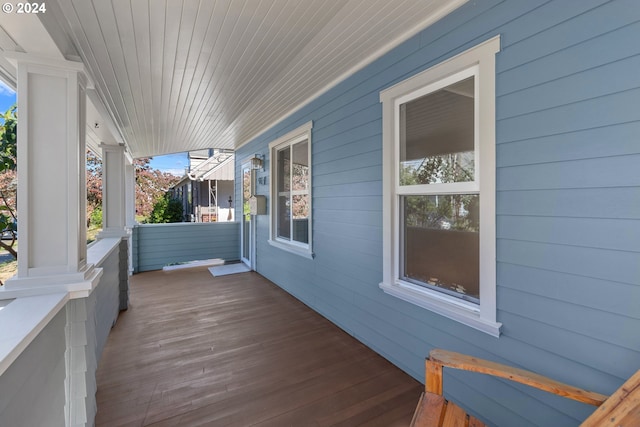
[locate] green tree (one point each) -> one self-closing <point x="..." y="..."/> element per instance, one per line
<point x="8" y="138"/>
<point x="458" y="210"/>
<point x="94" y="189"/>
<point x="166" y="209"/>
<point x="151" y="184"/>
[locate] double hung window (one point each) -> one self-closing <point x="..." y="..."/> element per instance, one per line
<point x="291" y="191"/>
<point x="439" y="188"/>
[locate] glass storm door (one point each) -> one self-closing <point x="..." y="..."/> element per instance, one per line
<point x="246" y="216"/>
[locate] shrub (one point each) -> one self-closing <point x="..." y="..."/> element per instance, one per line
<point x="95" y="219"/>
<point x="166" y="209"/>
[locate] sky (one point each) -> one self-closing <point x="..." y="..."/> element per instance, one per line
<point x="172" y="163"/>
<point x="7" y="97"/>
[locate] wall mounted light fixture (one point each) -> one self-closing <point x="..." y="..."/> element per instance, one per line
<point x="257" y="162"/>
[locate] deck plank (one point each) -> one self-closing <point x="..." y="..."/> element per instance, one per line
<point x="236" y="351"/>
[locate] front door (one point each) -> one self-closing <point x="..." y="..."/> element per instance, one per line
<point x="247" y="238"/>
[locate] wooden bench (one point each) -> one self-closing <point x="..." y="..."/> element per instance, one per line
<point x="621" y="409"/>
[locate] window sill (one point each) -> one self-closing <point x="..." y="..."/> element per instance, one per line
<point x="292" y="249"/>
<point x="443" y="305"/>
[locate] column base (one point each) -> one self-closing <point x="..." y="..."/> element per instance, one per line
<point x="78" y="285"/>
<point x="112" y="232"/>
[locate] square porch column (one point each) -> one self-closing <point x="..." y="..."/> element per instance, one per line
<point x="130" y="210"/>
<point x="51" y="175"/>
<point x="113" y="191"/>
<point x="114" y="204"/>
<point x="130" y="193"/>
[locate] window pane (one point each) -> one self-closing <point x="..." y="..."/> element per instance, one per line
<point x="437" y="136"/>
<point x="441" y="243"/>
<point x="246" y="188"/>
<point x="246" y="216"/>
<point x="283" y="217"/>
<point x="301" y="218"/>
<point x="300" y="166"/>
<point x="284" y="170"/>
<point x="284" y="187"/>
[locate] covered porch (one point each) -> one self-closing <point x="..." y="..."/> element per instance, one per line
<point x="312" y="98"/>
<point x="193" y="349"/>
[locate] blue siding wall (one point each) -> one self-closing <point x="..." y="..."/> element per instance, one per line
<point x="568" y="210"/>
<point x="157" y="245"/>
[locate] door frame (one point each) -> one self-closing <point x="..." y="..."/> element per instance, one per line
<point x="251" y="261"/>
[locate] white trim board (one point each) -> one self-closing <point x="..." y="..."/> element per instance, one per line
<point x="194" y="264"/>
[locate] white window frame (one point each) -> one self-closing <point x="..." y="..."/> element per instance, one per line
<point x="478" y="61"/>
<point x="297" y="135"/>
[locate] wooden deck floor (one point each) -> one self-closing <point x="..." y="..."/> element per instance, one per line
<point x="238" y="351"/>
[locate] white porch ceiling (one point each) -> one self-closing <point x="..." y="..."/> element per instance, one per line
<point x="180" y="75"/>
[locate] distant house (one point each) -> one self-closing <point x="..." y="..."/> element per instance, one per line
<point x="206" y="189"/>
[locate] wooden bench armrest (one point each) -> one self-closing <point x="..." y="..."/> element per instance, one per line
<point x="440" y="358"/>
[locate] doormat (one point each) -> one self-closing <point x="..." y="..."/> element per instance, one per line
<point x="223" y="270"/>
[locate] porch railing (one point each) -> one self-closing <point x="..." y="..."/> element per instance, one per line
<point x="51" y="343"/>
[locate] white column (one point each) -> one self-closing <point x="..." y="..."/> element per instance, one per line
<point x="51" y="175"/>
<point x="130" y="193"/>
<point x="130" y="210"/>
<point x="113" y="191"/>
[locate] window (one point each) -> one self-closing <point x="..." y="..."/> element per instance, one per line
<point x="291" y="191"/>
<point x="439" y="188"/>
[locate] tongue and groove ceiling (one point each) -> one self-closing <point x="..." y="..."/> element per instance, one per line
<point x="180" y="75"/>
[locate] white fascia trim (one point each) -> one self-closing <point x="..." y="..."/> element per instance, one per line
<point x="303" y="252"/>
<point x="106" y="115"/>
<point x="92" y="142"/>
<point x="8" y="73"/>
<point x="443" y="305"/>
